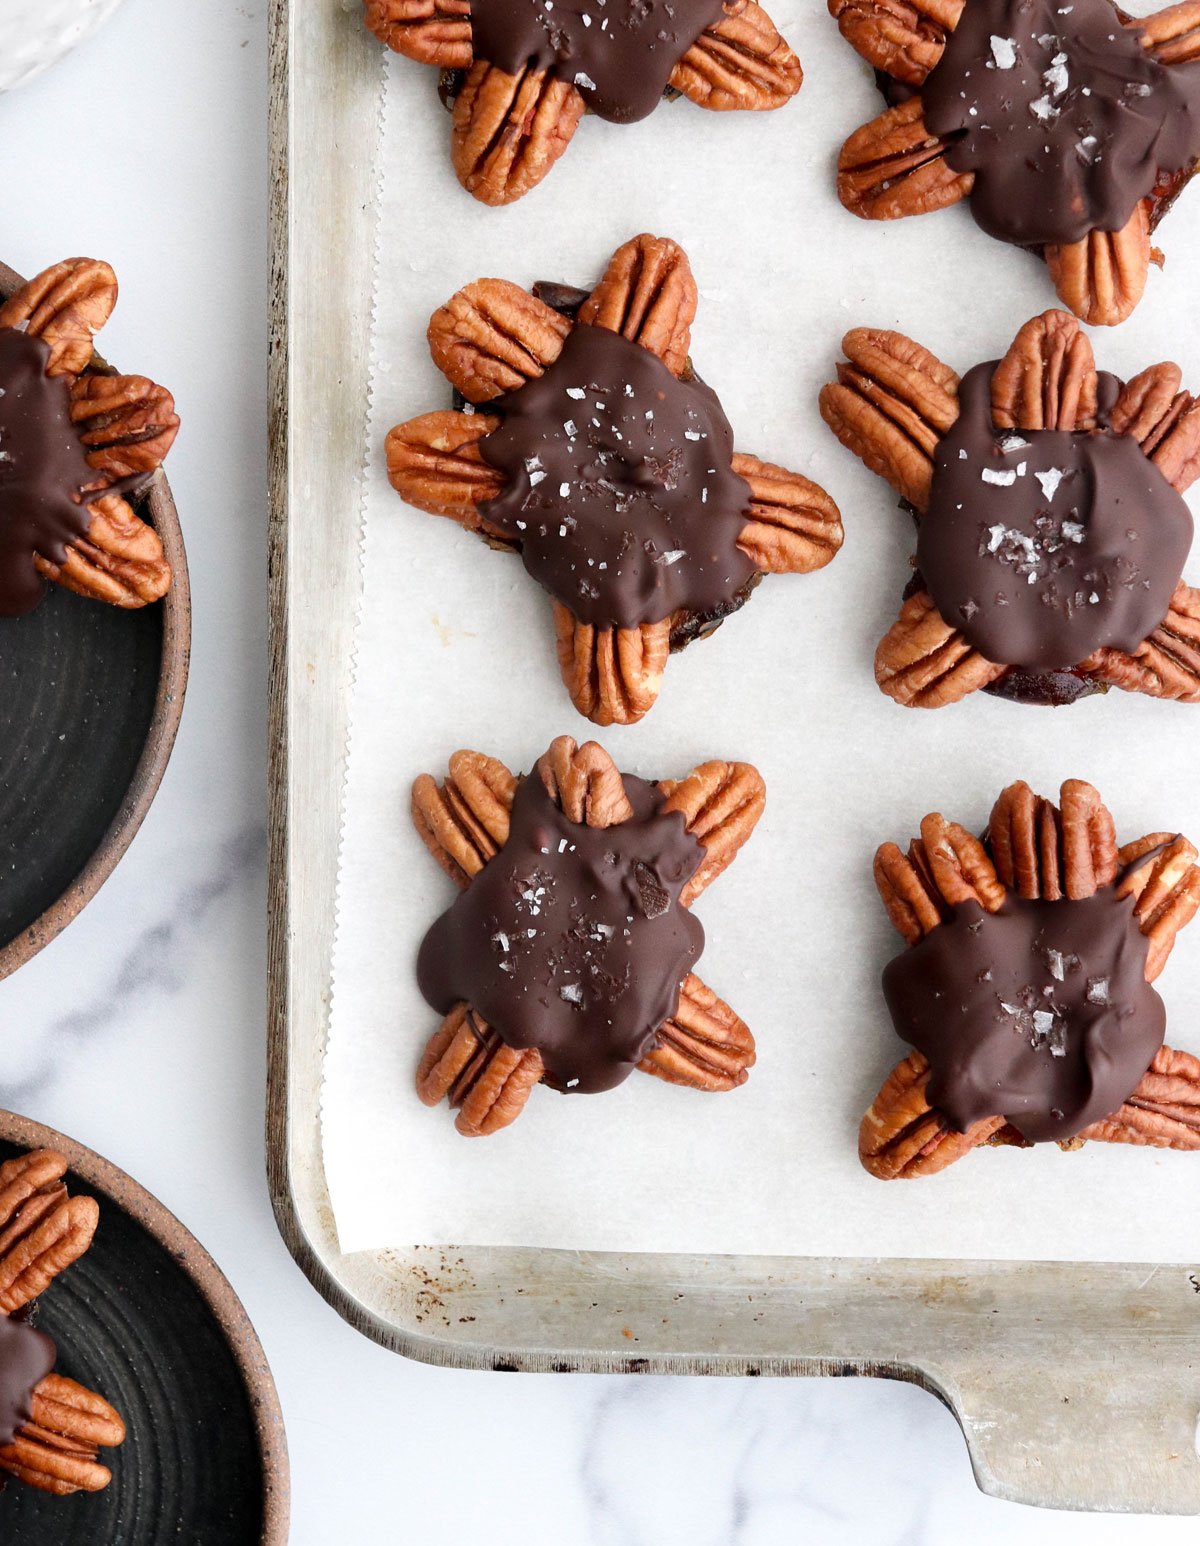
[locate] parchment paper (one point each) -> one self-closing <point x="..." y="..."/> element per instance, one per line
<point x="455" y="649"/>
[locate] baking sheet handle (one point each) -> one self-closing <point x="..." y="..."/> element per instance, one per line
<point x="1108" y="1431"/>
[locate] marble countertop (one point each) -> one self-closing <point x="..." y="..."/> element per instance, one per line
<point x="141" y="1030"/>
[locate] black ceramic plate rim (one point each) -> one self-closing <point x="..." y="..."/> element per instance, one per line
<point x="214" y="1288"/>
<point x="160" y="738"/>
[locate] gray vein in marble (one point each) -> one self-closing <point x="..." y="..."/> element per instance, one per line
<point x="155" y="960"/>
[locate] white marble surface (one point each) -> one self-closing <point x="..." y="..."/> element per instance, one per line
<point x="140" y="1031"/>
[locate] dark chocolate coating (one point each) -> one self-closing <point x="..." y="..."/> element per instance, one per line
<point x="1040" y="1013"/>
<point x="1039" y="571"/>
<point x="1062" y="115"/>
<point x="43" y="468"/>
<point x="620" y="489"/>
<point x="27" y="1356"/>
<point x="619" y="53"/>
<point x="572" y="939"/>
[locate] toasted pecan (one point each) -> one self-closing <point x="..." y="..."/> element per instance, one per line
<point x="891" y="404"/>
<point x="484" y="1080"/>
<point x="613" y="675"/>
<point x="492" y="336"/>
<point x="584" y="782"/>
<point x="57" y="1451"/>
<point x="704" y="1044"/>
<point x="127" y="424"/>
<point x="65" y="306"/>
<point x="1172" y="35"/>
<point x="434" y="462"/>
<point x="509" y="130"/>
<point x="894" y="166"/>
<point x="721" y="804"/>
<point x="1102" y="277"/>
<point x="436" y="32"/>
<point x="464" y="822"/>
<point x="902" y="1137"/>
<point x="923" y="663"/>
<point x="42" y="1229"/>
<point x="908" y="891"/>
<point x="902" y="38"/>
<point x="1047" y="379"/>
<point x="741" y="62"/>
<point x="648" y="295"/>
<point x="792" y="525"/>
<point x="1167" y="664"/>
<point x="1147" y="404"/>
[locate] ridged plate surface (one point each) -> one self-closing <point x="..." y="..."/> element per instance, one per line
<point x="146" y="1319"/>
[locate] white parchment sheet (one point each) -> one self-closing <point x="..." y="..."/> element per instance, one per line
<point x="455" y="649"/>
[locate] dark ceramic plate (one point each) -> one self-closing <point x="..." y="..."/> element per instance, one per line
<point x="147" y="1319"/>
<point x="90" y="699"/>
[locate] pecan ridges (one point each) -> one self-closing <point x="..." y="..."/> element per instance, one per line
<point x="1037" y="850"/>
<point x="465" y="821"/>
<point x="126" y="425"/>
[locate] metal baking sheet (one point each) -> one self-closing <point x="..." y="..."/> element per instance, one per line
<point x="1075" y="1385"/>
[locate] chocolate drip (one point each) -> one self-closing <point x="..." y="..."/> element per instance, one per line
<point x="1062" y="115"/>
<point x="1043" y="545"/>
<point x="619" y="53"/>
<point x="572" y="939"/>
<point x="1040" y="1013"/>
<point x="43" y="468"/>
<point x="26" y="1358"/>
<point x="620" y="488"/>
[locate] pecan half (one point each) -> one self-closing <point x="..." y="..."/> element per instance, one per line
<point x="127" y="423"/>
<point x="120" y="561"/>
<point x="436" y="32"/>
<point x="1047" y="380"/>
<point x="648" y="295"/>
<point x="1102" y="277"/>
<point x="65" y="306"/>
<point x="1166" y="888"/>
<point x="584" y="782"/>
<point x="902" y="38"/>
<point x="464" y="821"/>
<point x="740" y="62"/>
<point x="792" y="525"/>
<point x="1163" y="1112"/>
<point x="509" y="130"/>
<point x="613" y="675"/>
<point x="1164" y="420"/>
<point x="57" y="1452"/>
<point x="908" y="891"/>
<point x="893" y="167"/>
<point x="1088" y="838"/>
<point x="1172" y="35"/>
<point x="704" y="1045"/>
<point x="721" y="804"/>
<point x="42" y="1229"/>
<point x="902" y="1136"/>
<point x="1177" y="454"/>
<point x="959" y="864"/>
<point x="434" y="462"/>
<point x="891" y="404"/>
<point x="484" y="1080"/>
<point x="1037" y="850"/>
<point x="1148" y="404"/>
<point x="1167" y="664"/>
<point x="1024" y="838"/>
<point x="493" y="336"/>
<point x="923" y="663"/>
